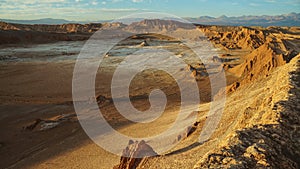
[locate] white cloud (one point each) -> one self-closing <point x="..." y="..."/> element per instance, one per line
<point x="137" y="1"/>
<point x="254" y="4"/>
<point x="37" y="1"/>
<point x="69" y="13"/>
<point x="103" y="3"/>
<point x="115" y="1"/>
<point x="26" y="4"/>
<point x="94" y="3"/>
<point x="119" y="10"/>
<point x="271" y="1"/>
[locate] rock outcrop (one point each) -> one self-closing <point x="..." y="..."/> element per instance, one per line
<point x="261" y="62"/>
<point x="235" y="37"/>
<point x="134" y="154"/>
<point x="46" y="124"/>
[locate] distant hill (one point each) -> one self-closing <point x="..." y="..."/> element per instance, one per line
<point x="149" y="25"/>
<point x="292" y="19"/>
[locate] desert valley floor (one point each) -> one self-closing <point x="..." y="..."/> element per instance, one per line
<point x="259" y="127"/>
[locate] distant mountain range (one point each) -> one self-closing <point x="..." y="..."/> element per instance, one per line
<point x="292" y="19"/>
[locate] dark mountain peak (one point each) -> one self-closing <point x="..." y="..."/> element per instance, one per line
<point x="157" y="24"/>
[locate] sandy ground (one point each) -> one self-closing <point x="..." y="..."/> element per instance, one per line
<point x="43" y="90"/>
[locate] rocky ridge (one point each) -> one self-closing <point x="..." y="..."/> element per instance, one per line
<point x="268" y="136"/>
<point x="267" y="49"/>
<point x="63" y="28"/>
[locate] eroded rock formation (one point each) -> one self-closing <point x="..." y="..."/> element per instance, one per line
<point x="134" y="154"/>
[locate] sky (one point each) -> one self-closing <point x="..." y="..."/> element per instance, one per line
<point x="95" y="10"/>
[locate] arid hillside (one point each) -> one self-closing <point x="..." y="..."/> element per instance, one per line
<point x="259" y="127"/>
<point x="33" y="34"/>
<point x="64" y="28"/>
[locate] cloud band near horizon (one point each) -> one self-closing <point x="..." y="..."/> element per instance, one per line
<point x="84" y="10"/>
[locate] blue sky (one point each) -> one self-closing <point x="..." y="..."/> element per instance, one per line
<point x="93" y="10"/>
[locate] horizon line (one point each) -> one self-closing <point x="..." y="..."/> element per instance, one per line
<point x="105" y="20"/>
